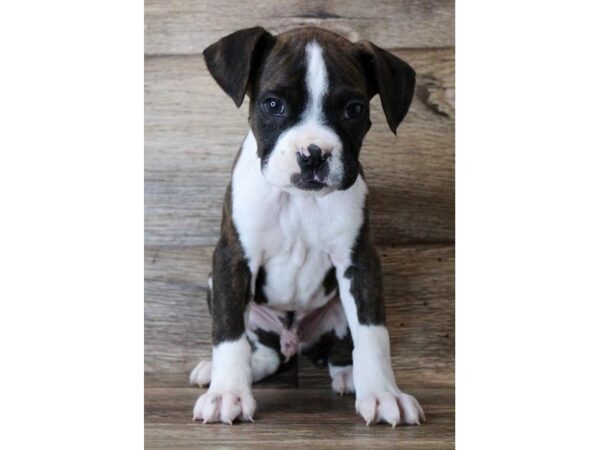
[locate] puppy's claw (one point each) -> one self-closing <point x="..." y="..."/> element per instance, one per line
<point x="420" y="409"/>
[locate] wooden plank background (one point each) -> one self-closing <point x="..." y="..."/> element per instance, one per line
<point x="177" y="27"/>
<point x="193" y="131"/>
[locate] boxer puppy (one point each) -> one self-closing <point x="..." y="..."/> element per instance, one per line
<point x="295" y="270"/>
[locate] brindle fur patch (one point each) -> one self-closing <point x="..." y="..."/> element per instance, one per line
<point x="366" y="281"/>
<point x="231" y="280"/>
<point x="331" y="349"/>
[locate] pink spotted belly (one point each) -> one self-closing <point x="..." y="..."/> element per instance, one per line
<point x="304" y="329"/>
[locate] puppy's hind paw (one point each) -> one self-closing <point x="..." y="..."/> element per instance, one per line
<point x="200" y="375"/>
<point x="342" y="380"/>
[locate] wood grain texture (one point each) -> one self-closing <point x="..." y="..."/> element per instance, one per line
<point x="419" y="288"/>
<point x="176" y="318"/>
<point x="188" y="26"/>
<point x="193" y="132"/>
<point x="292" y="418"/>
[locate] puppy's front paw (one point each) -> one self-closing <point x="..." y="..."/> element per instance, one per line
<point x="224" y="406"/>
<point x="393" y="408"/>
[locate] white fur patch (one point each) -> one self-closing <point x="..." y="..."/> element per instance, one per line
<point x="372" y="359"/>
<point x="316" y="82"/>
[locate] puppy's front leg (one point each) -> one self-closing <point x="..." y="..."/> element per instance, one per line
<point x="378" y="398"/>
<point x="229" y="396"/>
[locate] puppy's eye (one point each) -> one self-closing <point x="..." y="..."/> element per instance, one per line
<point x="354" y="110"/>
<point x="274" y="106"/>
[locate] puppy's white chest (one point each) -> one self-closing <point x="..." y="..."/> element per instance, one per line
<point x="295" y="255"/>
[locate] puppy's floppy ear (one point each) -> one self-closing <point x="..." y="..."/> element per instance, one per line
<point x="233" y="59"/>
<point x="391" y="78"/>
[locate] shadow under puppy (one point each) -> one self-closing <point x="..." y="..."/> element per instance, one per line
<point x="295" y="270"/>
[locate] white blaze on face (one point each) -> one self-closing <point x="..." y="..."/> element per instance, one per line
<point x="316" y="82"/>
<point x="311" y="129"/>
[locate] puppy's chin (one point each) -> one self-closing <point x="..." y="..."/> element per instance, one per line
<point x="302" y="191"/>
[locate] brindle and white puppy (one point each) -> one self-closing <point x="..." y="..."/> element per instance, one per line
<point x="295" y="269"/>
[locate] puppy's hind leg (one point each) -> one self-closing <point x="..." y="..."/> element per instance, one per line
<point x="265" y="361"/>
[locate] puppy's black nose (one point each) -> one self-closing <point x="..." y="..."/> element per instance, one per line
<point x="314" y="150"/>
<point x="313" y="160"/>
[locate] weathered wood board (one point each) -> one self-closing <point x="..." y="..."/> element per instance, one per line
<point x="193" y="131"/>
<point x="188" y="26"/>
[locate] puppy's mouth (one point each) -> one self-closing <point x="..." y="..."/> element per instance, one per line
<point x="310" y="185"/>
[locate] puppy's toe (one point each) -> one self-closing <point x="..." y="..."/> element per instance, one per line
<point x="367" y="408"/>
<point x="388" y="409"/>
<point x="231" y="408"/>
<point x="200" y="375"/>
<point x="412" y="412"/>
<point x="208" y="407"/>
<point x="248" y="405"/>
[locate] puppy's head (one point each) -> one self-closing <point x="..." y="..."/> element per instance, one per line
<point x="309" y="92"/>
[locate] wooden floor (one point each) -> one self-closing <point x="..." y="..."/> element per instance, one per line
<point x="192" y="133"/>
<point x="291" y="417"/>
